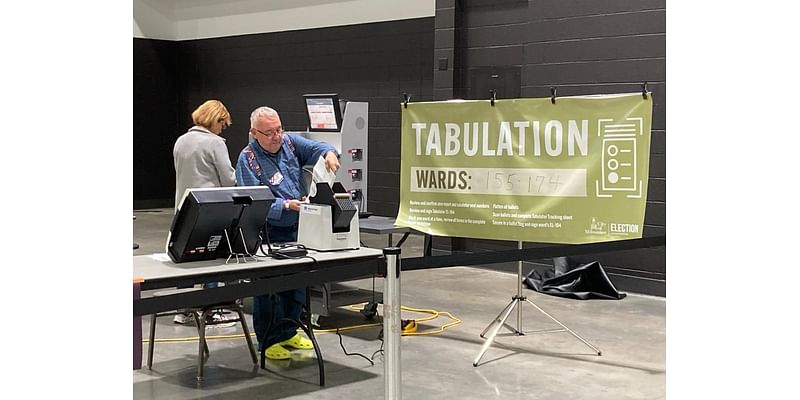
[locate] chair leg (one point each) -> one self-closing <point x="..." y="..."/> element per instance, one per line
<point x="202" y="347"/>
<point x="309" y="329"/>
<point x="320" y="362"/>
<point x="197" y="324"/>
<point x="151" y="342"/>
<point x="238" y="310"/>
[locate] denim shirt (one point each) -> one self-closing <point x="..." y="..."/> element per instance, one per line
<point x="280" y="171"/>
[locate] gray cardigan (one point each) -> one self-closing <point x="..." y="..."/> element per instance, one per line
<point x="201" y="160"/>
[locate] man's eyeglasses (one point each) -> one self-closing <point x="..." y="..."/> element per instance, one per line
<point x="270" y="134"/>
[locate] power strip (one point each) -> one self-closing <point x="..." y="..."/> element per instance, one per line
<point x="292" y="252"/>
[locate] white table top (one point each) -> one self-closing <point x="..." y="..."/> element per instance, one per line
<point x="159" y="266"/>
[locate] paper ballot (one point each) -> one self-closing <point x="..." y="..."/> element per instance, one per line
<point x="320" y="174"/>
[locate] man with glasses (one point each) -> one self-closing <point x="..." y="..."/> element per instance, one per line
<point x="275" y="159"/>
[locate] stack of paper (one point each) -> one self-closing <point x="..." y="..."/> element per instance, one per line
<point x="320" y="174"/>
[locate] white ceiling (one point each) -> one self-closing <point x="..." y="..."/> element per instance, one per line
<point x="194" y="9"/>
<point x="193" y="19"/>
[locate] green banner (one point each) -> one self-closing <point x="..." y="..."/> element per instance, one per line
<point x="527" y="169"/>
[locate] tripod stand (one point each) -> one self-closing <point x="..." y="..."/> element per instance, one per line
<point x="516" y="302"/>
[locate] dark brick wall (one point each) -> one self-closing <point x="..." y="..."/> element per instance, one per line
<point x="580" y="47"/>
<point x="373" y="62"/>
<point x="155" y="123"/>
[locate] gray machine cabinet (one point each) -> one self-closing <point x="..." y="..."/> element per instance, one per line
<point x="351" y="142"/>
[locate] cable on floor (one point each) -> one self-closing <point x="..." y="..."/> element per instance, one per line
<point x="433" y="315"/>
<point x="341" y="343"/>
<point x="353" y="307"/>
<point x="380" y="350"/>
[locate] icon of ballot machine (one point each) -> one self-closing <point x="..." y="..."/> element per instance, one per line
<point x="330" y="221"/>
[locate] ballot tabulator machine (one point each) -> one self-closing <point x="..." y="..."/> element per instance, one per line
<point x="343" y="124"/>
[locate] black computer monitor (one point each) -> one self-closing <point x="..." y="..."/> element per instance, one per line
<point x="323" y="112"/>
<point x="206" y="215"/>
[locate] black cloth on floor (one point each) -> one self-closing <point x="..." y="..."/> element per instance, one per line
<point x="586" y="282"/>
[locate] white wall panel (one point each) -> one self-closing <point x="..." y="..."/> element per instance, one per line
<point x="199" y="19"/>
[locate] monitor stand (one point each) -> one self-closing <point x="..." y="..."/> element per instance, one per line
<point x="231" y="253"/>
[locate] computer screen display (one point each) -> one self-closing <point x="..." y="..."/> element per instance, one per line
<point x="324" y="114"/>
<point x="208" y="218"/>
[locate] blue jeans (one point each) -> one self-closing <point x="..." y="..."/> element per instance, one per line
<point x="288" y="304"/>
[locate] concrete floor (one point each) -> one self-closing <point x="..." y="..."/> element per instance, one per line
<point x="631" y="334"/>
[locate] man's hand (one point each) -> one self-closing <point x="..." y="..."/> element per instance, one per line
<point x="294" y="204"/>
<point x="332" y="161"/>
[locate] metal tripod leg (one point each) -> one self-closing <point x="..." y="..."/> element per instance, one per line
<point x="596" y="350"/>
<point x="493" y="333"/>
<point x="497" y="319"/>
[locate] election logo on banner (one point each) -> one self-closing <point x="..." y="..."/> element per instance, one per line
<point x="527" y="169"/>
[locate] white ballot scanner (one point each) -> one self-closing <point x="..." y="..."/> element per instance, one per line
<point x="330" y="221"/>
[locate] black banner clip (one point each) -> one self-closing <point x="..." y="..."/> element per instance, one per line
<point x="644" y="90"/>
<point x="406" y="98"/>
<point x="493" y="96"/>
<point x="553" y="94"/>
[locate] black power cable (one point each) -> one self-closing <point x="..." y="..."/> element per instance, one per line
<point x="341" y="343"/>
